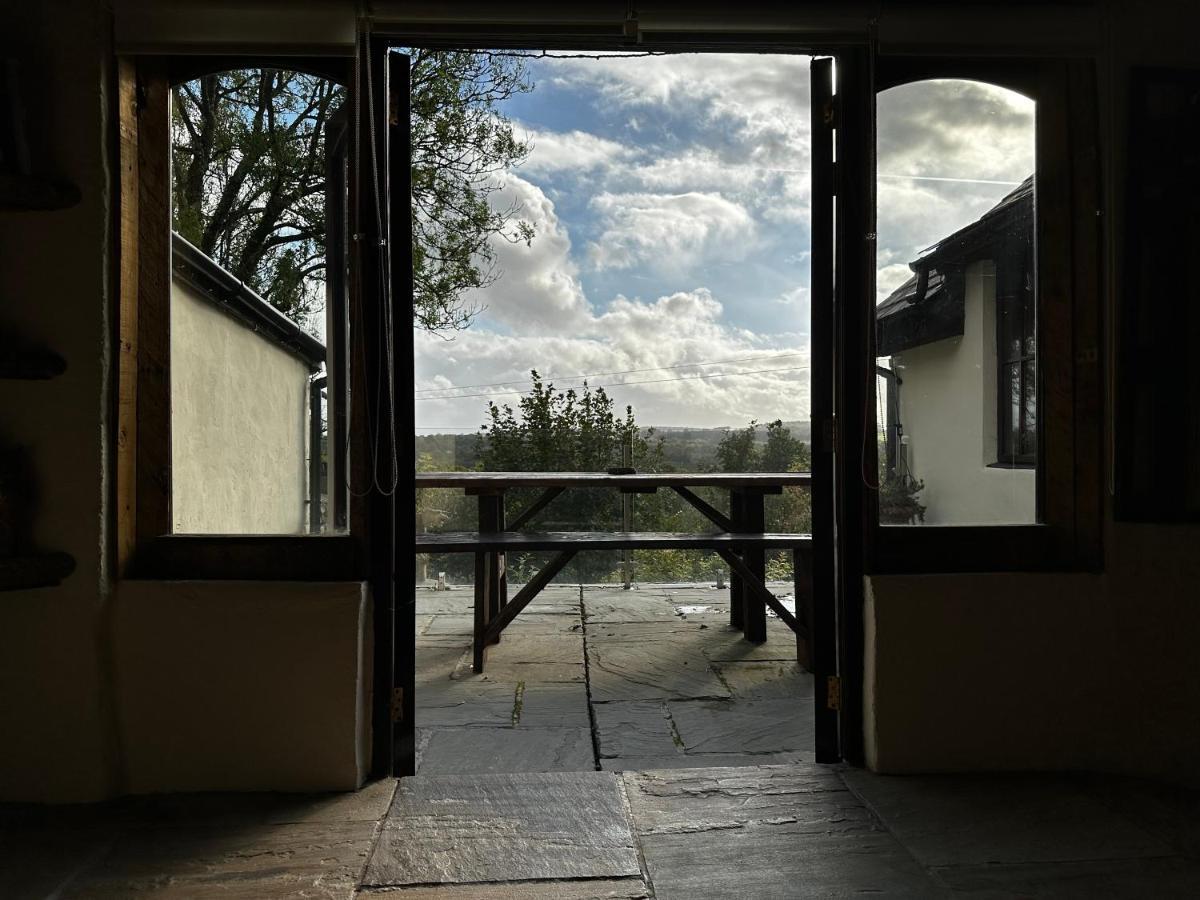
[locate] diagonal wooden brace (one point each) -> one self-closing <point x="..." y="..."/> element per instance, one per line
<point x="754" y="585"/>
<point x="488" y="633"/>
<point x="705" y="509"/>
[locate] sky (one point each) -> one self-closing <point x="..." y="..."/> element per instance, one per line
<point x="669" y="196"/>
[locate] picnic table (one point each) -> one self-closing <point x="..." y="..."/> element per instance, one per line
<point x="740" y="539"/>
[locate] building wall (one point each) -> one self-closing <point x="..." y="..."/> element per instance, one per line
<point x="108" y="687"/>
<point x="965" y="672"/>
<point x="948" y="412"/>
<point x="239" y="425"/>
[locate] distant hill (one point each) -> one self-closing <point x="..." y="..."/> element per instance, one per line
<point x="686" y="449"/>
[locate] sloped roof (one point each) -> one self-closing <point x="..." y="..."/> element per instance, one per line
<point x="218" y="285"/>
<point x="904" y="320"/>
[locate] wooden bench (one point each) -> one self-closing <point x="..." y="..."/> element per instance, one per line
<point x="494" y="611"/>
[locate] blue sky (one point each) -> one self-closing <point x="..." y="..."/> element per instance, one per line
<point x="670" y="201"/>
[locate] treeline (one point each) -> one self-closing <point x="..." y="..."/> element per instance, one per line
<point x="580" y="431"/>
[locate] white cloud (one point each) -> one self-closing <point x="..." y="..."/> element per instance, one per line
<point x="580" y="151"/>
<point x="538" y="286"/>
<point x="670" y="232"/>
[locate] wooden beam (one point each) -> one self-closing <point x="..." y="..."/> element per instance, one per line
<point x="152" y="438"/>
<point x="127" y="316"/>
<point x="534" y="508"/>
<point x="711" y="513"/>
<point x="756" y="587"/>
<point x="524" y="596"/>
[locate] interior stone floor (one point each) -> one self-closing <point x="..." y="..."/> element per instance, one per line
<point x="620" y="746"/>
<point x="755" y="832"/>
<point x="598" y="677"/>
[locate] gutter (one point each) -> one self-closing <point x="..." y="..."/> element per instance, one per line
<point x="217" y="284"/>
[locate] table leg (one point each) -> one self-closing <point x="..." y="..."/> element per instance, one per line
<point x="737" y="591"/>
<point x="754" y="520"/>
<point x="491" y="519"/>
<point x="478" y="648"/>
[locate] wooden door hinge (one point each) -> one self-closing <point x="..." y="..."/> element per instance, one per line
<point x="397" y="705"/>
<point x="833" y="692"/>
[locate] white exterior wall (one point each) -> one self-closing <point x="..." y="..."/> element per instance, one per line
<point x="239" y="425"/>
<point x="948" y="413"/>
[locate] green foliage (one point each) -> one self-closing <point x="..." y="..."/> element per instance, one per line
<point x="898" y="504"/>
<point x="567" y="431"/>
<point x="248" y="178"/>
<point x="461" y="142"/>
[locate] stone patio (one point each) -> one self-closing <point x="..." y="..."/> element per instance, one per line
<point x="597" y="677"/>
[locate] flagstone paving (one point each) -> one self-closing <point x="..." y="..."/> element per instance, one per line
<point x="653" y="675"/>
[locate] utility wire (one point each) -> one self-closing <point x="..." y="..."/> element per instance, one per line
<point x="711" y="362"/>
<point x="699" y="376"/>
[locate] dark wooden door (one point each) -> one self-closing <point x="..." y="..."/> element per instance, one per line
<point x="824" y="641"/>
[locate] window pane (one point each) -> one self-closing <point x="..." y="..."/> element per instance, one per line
<point x="956" y="307"/>
<point x="257" y="309"/>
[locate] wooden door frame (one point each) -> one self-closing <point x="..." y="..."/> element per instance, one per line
<point x="845" y="500"/>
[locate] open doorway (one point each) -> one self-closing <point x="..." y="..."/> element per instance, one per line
<point x="611" y="275"/>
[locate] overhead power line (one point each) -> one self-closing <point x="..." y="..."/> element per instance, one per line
<point x="696" y="377"/>
<point x="714" y="362"/>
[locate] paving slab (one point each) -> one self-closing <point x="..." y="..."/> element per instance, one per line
<point x="766" y="679"/>
<point x="1127" y="879"/>
<point x="732" y="797"/>
<point x="549" y="704"/>
<point x="774" y="863"/>
<point x="518" y="647"/>
<point x="971" y="820"/>
<point x="635" y="729"/>
<point x="306" y="860"/>
<point x="723" y="643"/>
<point x="623" y="633"/>
<point x="449" y="624"/>
<point x="744" y="726"/>
<point x="452" y="703"/>
<point x="477" y="749"/>
<point x="584" y="889"/>
<point x="39" y="860"/>
<point x="702" y="760"/>
<point x="438" y="663"/>
<point x="435" y="603"/>
<point x="628" y="606"/>
<point x="650" y="670"/>
<point x="500" y="669"/>
<point x="490" y="828"/>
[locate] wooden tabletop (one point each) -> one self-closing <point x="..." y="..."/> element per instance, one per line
<point x="461" y="541"/>
<point x="499" y="481"/>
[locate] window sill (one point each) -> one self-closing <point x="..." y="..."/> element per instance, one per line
<point x="1012" y="465"/>
<point x="220" y="557"/>
<point x="933" y="549"/>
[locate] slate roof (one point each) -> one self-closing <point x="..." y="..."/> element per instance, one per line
<point x="904" y="320"/>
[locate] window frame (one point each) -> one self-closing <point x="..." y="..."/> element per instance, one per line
<point x="1067" y="535"/>
<point x="1006" y="455"/>
<point x="146" y="547"/>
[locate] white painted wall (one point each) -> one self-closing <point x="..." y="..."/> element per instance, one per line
<point x="948" y="412"/>
<point x="239" y="425"/>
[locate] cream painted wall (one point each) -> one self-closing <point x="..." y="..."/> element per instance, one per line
<point x="1036" y="671"/>
<point x="948" y="411"/>
<point x="242" y="685"/>
<point x="239" y="425"/>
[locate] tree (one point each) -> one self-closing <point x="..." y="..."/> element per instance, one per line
<point x="566" y="431"/>
<point x="461" y="142"/>
<point x="248" y="177"/>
